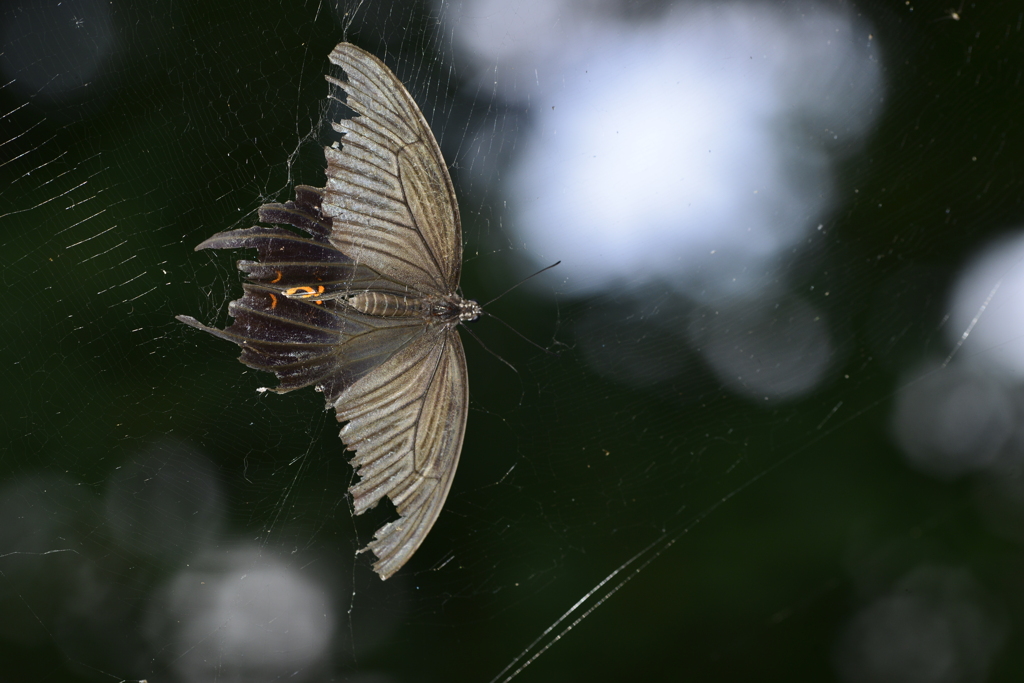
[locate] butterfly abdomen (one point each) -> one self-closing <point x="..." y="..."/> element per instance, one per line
<point x="388" y="305"/>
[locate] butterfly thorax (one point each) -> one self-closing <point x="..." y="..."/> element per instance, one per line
<point x="435" y="309"/>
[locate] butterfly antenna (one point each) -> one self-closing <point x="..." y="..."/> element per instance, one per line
<point x="520" y="282"/>
<point x="478" y="341"/>
<point x="520" y="334"/>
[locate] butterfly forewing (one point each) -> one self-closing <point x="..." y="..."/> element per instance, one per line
<point x="388" y="189"/>
<point x="362" y="302"/>
<point x="406" y="423"/>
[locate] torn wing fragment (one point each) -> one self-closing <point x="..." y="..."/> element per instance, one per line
<point x="361" y="302"/>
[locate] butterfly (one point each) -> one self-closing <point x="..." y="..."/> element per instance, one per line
<point x="360" y="300"/>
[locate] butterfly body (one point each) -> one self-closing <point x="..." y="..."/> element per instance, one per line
<point x="449" y="310"/>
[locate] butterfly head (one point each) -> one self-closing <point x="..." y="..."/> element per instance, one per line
<point x="469" y="310"/>
<point x="453" y="309"/>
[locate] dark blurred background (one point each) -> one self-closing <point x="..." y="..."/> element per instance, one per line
<point x="779" y="431"/>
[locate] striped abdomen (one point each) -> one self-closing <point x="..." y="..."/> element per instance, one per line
<point x="386" y="305"/>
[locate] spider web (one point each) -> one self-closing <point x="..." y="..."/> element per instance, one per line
<point x="784" y="444"/>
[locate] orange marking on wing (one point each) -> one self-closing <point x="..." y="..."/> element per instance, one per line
<point x="307" y="292"/>
<point x="273" y="301"/>
<point x="278" y="278"/>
